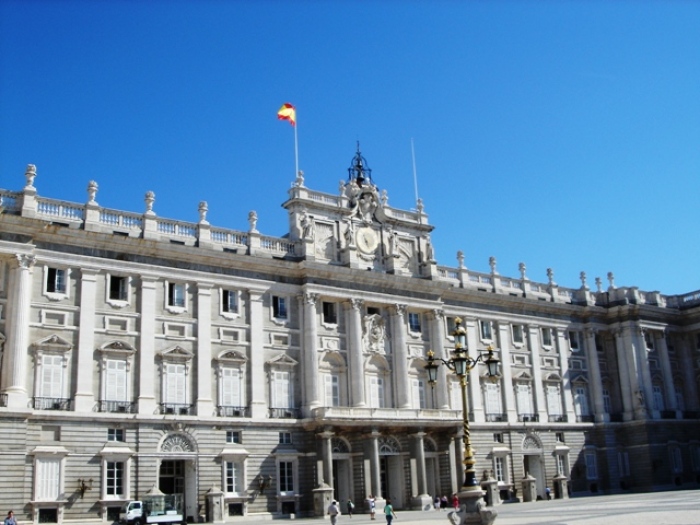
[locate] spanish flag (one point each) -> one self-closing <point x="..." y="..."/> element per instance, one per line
<point x="288" y="112"/>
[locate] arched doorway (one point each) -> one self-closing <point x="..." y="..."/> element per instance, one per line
<point x="177" y="471"/>
<point x="391" y="475"/>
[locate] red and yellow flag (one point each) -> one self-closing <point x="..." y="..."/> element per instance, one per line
<point x="288" y="112"/>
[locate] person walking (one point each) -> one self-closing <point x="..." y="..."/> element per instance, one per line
<point x="371" y="506"/>
<point x="455" y="501"/>
<point x="10" y="520"/>
<point x="334" y="512"/>
<point x="351" y="507"/>
<point x="389" y="512"/>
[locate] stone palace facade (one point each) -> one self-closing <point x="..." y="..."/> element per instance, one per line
<point x="139" y="351"/>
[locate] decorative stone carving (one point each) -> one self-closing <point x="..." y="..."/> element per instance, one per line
<point x="92" y="192"/>
<point x="149" y="199"/>
<point x="177" y="443"/>
<point x="203" y="209"/>
<point x="252" y="221"/>
<point x="30" y="174"/>
<point x="374" y="333"/>
<point x="306" y="225"/>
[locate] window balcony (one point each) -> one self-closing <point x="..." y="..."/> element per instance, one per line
<point x="616" y="418"/>
<point x="118" y="407"/>
<point x="51" y="403"/>
<point x="585" y="419"/>
<point x="285" y="413"/>
<point x="176" y="409"/>
<point x="668" y="414"/>
<point x="232" y="411"/>
<point x="557" y="418"/>
<point x="496" y="418"/>
<point x="528" y="418"/>
<point x="691" y="414"/>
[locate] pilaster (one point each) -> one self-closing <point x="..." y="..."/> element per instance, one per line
<point x="507" y="387"/>
<point x="594" y="375"/>
<point x="353" y="321"/>
<point x="400" y="353"/>
<point x="562" y="345"/>
<point x="533" y="341"/>
<point x="84" y="394"/>
<point x="625" y="374"/>
<point x="473" y="383"/>
<point x="437" y="341"/>
<point x="665" y="363"/>
<point x="205" y="405"/>
<point x="258" y="403"/>
<point x="310" y="354"/>
<point x="146" y="365"/>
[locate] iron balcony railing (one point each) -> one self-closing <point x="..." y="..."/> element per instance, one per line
<point x="585" y="419"/>
<point x="123" y="407"/>
<point x="495" y="418"/>
<point x="176" y="409"/>
<point x="285" y="413"/>
<point x="528" y="418"/>
<point x="51" y="403"/>
<point x="232" y="411"/>
<point x="557" y="418"/>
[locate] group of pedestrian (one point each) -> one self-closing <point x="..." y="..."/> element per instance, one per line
<point x="334" y="510"/>
<point x="441" y="502"/>
<point x="10" y="520"/>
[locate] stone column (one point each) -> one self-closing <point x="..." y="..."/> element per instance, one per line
<point x="507" y="375"/>
<point x="258" y="403"/>
<point x="665" y="362"/>
<point x="400" y="351"/>
<point x="205" y="406"/>
<point x="437" y="341"/>
<point x="146" y="354"/>
<point x="327" y="456"/>
<point x="17" y="319"/>
<point x="594" y="375"/>
<point x="84" y="394"/>
<point x="625" y="375"/>
<point x="423" y="500"/>
<point x="374" y="464"/>
<point x="353" y="321"/>
<point x="567" y="398"/>
<point x="310" y="354"/>
<point x="643" y="372"/>
<point x="473" y="382"/>
<point x="686" y="342"/>
<point x="533" y="341"/>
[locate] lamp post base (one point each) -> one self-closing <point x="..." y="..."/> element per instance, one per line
<point x="472" y="509"/>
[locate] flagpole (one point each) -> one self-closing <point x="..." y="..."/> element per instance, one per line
<point x="415" y="176"/>
<point x="296" y="151"/>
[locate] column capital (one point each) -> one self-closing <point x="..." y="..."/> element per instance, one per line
<point x="437" y="313"/>
<point x="310" y="298"/>
<point x="204" y="287"/>
<point x="399" y="309"/>
<point x="356" y="304"/>
<point x="255" y="295"/>
<point x="24" y="261"/>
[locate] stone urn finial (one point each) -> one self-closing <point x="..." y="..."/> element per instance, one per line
<point x="149" y="199"/>
<point x="30" y="174"/>
<point x="203" y="209"/>
<point x="92" y="192"/>
<point x="253" y="221"/>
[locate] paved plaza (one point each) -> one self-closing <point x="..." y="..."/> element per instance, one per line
<point x="658" y="508"/>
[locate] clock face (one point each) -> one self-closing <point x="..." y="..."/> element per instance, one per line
<point x="366" y="240"/>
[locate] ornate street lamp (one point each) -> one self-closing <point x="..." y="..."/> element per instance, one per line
<point x="461" y="363"/>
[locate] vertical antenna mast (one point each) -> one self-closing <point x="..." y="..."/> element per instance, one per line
<point x="415" y="177"/>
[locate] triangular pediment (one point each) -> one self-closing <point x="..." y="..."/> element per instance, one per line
<point x="118" y="347"/>
<point x="282" y="360"/>
<point x="232" y="355"/>
<point x="176" y="352"/>
<point x="53" y="343"/>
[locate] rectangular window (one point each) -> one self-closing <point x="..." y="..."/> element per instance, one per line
<point x="498" y="437"/>
<point x="581" y="401"/>
<point x="175" y="384"/>
<point x="599" y="343"/>
<point x="485" y="330"/>
<point x="52" y="376"/>
<point x="523" y="399"/>
<point x="286" y="477"/>
<point x="234" y="477"/>
<point x="233" y="436"/>
<point x="649" y="339"/>
<point x="561" y="465"/>
<point x="574" y="341"/>
<point x="279" y="307"/>
<point x="373" y="310"/>
<point x="115" y="380"/>
<point x="623" y="463"/>
<point x="414" y="322"/>
<point x="118" y="290"/>
<point x="229" y="301"/>
<point x="285" y="438"/>
<point x="560" y="437"/>
<point x="680" y="400"/>
<point x="455" y="395"/>
<point x="281" y="391"/>
<point x="658" y="398"/>
<point x="376" y="391"/>
<point x="115" y="478"/>
<point x="676" y="459"/>
<point x="499" y="468"/>
<point x="553" y="400"/>
<point x="56" y="280"/>
<point x="606" y="401"/>
<point x="115" y="434"/>
<point x="330" y="313"/>
<point x="546" y="336"/>
<point x="48" y="472"/>
<point x="176" y="295"/>
<point x="418" y="393"/>
<point x="492" y="399"/>
<point x="231" y="391"/>
<point x="518" y="338"/>
<point x="332" y="384"/>
<point x="591" y="466"/>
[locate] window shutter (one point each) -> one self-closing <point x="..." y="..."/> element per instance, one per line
<point x="493" y="399"/>
<point x="581" y="401"/>
<point x="115" y="381"/>
<point x="176" y="391"/>
<point x="231" y="387"/>
<point x="523" y="399"/>
<point x="553" y="400"/>
<point x="48" y="473"/>
<point x="658" y="398"/>
<point x="281" y="393"/>
<point x="52" y="376"/>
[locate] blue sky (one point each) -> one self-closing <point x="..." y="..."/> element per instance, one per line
<point x="560" y="134"/>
